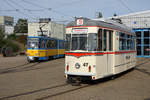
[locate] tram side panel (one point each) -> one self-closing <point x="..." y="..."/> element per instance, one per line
<point x="120" y="63"/>
<point x="132" y="60"/>
<point x="61" y="48"/>
<point x="104" y="66"/>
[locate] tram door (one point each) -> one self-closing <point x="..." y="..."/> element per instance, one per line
<point x="102" y="59"/>
<point x="108" y="47"/>
<point x="110" y="56"/>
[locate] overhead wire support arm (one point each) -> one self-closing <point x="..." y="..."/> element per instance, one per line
<point x="40" y="27"/>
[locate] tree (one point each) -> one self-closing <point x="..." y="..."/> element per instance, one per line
<point x="1" y="34"/>
<point x="21" y="26"/>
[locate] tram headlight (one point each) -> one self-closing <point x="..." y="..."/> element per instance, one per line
<point x="77" y="65"/>
<point x="32" y="45"/>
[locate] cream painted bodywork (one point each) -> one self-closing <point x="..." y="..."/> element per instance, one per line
<point x="101" y="65"/>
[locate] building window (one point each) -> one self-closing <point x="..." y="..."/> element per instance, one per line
<point x="9" y="23"/>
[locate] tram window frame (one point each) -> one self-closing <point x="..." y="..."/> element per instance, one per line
<point x="53" y="43"/>
<point x="110" y="40"/>
<point x="61" y="44"/>
<point x="68" y="42"/>
<point x="48" y="43"/>
<point x="92" y="42"/>
<point x="42" y="43"/>
<point x="129" y="42"/>
<point x="100" y="40"/>
<point x="133" y="45"/>
<point x="122" y="41"/>
<point x="78" y="40"/>
<point x="39" y="45"/>
<point x="105" y="40"/>
<point x="126" y="41"/>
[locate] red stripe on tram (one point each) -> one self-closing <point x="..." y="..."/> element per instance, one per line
<point x="91" y="54"/>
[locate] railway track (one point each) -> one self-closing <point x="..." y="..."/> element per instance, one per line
<point x="59" y="89"/>
<point x="34" y="91"/>
<point x="19" y="68"/>
<point x="95" y="83"/>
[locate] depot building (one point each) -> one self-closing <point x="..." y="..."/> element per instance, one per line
<point x="140" y="23"/>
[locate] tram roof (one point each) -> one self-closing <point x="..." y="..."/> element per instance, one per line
<point x="101" y="23"/>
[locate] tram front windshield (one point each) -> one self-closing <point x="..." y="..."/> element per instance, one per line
<point x="79" y="42"/>
<point x="82" y="42"/>
<point x="33" y="43"/>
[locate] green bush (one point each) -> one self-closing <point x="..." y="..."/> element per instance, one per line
<point x="9" y="43"/>
<point x="13" y="45"/>
<point x="12" y="37"/>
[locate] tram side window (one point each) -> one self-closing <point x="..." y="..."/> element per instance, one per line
<point x="68" y="41"/>
<point x="105" y="40"/>
<point x="43" y="44"/>
<point x="39" y="45"/>
<point x="92" y="42"/>
<point x="129" y="42"/>
<point x="100" y="40"/>
<point x="48" y="43"/>
<point x="53" y="43"/>
<point x="122" y="41"/>
<point x="110" y="40"/>
<point x="61" y="44"/>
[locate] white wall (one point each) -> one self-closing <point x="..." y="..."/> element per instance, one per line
<point x="9" y="30"/>
<point x="51" y="29"/>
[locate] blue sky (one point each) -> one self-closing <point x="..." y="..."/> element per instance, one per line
<point x="60" y="10"/>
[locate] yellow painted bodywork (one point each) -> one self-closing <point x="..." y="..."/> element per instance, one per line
<point x="45" y="53"/>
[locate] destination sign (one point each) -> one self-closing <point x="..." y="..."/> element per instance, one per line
<point x="79" y="30"/>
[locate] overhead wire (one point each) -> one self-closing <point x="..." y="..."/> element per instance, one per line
<point x="16" y="9"/>
<point x="124" y="4"/>
<point x="47" y="8"/>
<point x="22" y="7"/>
<point x="40" y="8"/>
<point x="69" y="3"/>
<point x="44" y="8"/>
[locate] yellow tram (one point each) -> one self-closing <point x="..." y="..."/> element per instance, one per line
<point x="44" y="48"/>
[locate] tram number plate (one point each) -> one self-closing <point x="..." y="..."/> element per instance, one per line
<point x="85" y="64"/>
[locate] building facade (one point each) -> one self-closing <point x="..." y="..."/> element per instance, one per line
<point x="140" y="23"/>
<point x="50" y="29"/>
<point x="6" y="23"/>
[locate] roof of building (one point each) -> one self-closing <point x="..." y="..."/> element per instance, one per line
<point x="134" y="14"/>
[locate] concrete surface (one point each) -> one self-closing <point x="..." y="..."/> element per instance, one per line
<point x="45" y="81"/>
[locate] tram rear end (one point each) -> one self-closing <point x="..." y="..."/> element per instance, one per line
<point x="80" y="60"/>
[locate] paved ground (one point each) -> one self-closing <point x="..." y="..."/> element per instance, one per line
<point x="45" y="81"/>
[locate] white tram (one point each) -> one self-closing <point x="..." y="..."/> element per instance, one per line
<point x="98" y="49"/>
